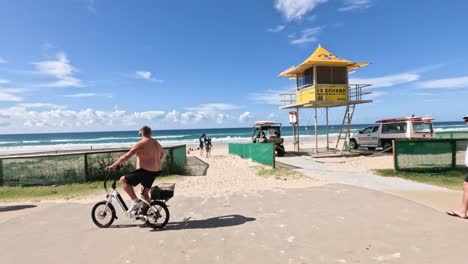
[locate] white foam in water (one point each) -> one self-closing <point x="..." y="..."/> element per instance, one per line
<point x="450" y="129"/>
<point x="92" y="139"/>
<point x="61" y="147"/>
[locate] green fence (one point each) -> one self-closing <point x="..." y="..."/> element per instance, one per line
<point x="76" y="167"/>
<point x="263" y="153"/>
<point x="429" y="154"/>
<point x="452" y="135"/>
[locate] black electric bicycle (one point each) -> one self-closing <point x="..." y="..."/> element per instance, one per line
<point x="155" y="215"/>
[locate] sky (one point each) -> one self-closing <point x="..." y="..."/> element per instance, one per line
<point x="107" y="65"/>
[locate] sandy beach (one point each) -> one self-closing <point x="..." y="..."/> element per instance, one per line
<point x="228" y="174"/>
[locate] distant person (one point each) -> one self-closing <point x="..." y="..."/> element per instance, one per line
<point x="148" y="166"/>
<point x="201" y="142"/>
<point x="461" y="211"/>
<point x="263" y="138"/>
<point x="208" y="146"/>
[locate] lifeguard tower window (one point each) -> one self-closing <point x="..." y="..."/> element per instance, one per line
<point x="394" y="128"/>
<point x="422" y="127"/>
<point x="332" y="75"/>
<point x="307" y="79"/>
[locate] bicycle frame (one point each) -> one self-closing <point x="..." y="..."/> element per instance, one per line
<point x="114" y="194"/>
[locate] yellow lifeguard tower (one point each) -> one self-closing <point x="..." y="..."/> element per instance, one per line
<point x="322" y="82"/>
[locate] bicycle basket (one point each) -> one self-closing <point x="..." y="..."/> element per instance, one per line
<point x="163" y="191"/>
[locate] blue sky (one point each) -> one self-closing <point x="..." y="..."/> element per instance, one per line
<point x="83" y="65"/>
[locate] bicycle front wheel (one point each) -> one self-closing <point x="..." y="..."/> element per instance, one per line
<point x="103" y="216"/>
<point x="158" y="215"/>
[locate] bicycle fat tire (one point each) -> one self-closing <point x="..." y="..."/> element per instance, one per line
<point x="93" y="214"/>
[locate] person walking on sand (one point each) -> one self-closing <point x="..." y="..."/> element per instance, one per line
<point x="201" y="142"/>
<point x="148" y="166"/>
<point x="461" y="211"/>
<point x="208" y="146"/>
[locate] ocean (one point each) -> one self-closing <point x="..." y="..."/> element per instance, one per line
<point x="86" y="140"/>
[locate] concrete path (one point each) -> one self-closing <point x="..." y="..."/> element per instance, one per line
<point x="326" y="171"/>
<point x="327" y="224"/>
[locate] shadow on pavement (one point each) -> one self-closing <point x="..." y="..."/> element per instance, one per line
<point x="214" y="222"/>
<point x="16" y="207"/>
<point x="125" y="225"/>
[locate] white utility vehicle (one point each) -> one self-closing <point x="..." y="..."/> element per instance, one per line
<point x="382" y="133"/>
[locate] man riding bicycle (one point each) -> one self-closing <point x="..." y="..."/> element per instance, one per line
<point x="148" y="166"/>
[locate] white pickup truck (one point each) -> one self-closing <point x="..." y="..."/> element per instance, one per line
<point x="382" y="133"/>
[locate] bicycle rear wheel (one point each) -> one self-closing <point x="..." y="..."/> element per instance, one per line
<point x="158" y="215"/>
<point x="103" y="217"/>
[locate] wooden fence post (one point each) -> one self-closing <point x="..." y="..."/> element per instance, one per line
<point x="86" y="168"/>
<point x="453" y="144"/>
<point x="1" y="172"/>
<point x="395" y="161"/>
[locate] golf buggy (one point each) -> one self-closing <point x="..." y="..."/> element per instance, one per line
<point x="268" y="132"/>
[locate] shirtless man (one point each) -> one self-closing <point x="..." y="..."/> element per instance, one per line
<point x="148" y="166"/>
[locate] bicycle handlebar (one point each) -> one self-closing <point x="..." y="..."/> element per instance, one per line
<point x="115" y="178"/>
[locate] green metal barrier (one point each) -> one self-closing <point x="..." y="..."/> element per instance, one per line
<point x="263" y="153"/>
<point x="452" y="135"/>
<point x="76" y="167"/>
<point x="429" y="154"/>
<point x="179" y="154"/>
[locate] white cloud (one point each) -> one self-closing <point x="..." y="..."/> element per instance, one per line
<point x="41" y="105"/>
<point x="213" y="107"/>
<point x="447" y="83"/>
<point x="276" y="29"/>
<point x="2" y="60"/>
<point x="424" y="94"/>
<point x="8" y="97"/>
<point x="271" y="116"/>
<point x="12" y="90"/>
<point x="91" y="7"/>
<point x="307" y="35"/>
<point x="4" y="123"/>
<point x="173" y="116"/>
<point x="3" y="81"/>
<point x="374" y="95"/>
<point x="78" y="95"/>
<point x="8" y="94"/>
<point x="148" y="115"/>
<point x="431" y="100"/>
<point x="296" y="9"/>
<point x="61" y="69"/>
<point x="272" y="97"/>
<point x="350" y="5"/>
<point x="191" y="117"/>
<point x="387" y="81"/>
<point x="220" y="118"/>
<point x="73" y="119"/>
<point x="146" y="75"/>
<point x="246" y="116"/>
<point x="143" y="75"/>
<point x="196" y="114"/>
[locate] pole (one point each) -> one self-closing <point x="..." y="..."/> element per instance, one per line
<point x="326" y="114"/>
<point x="298" y="128"/>
<point x="86" y="167"/>
<point x="1" y="172"/>
<point x="316" y="137"/>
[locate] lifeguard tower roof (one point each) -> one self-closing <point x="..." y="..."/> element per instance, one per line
<point x="322" y="57"/>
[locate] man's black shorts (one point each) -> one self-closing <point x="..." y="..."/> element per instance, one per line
<point x="466" y="178"/>
<point x="145" y="177"/>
